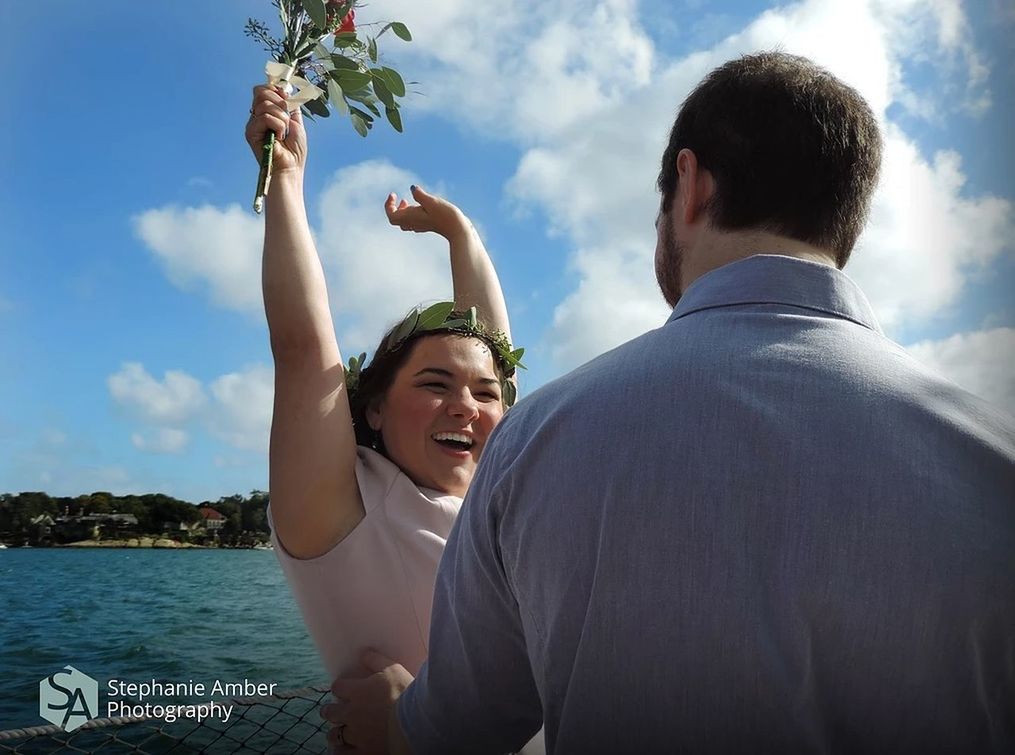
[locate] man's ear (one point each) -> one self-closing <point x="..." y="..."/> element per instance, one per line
<point x="695" y="187"/>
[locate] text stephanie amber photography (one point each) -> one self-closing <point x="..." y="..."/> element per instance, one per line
<point x="131" y="698"/>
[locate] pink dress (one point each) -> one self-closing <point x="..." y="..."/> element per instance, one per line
<point x="375" y="588"/>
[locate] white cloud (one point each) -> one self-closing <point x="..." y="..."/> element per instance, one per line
<point x="375" y="272"/>
<point x="926" y="238"/>
<point x="579" y="85"/>
<point x="173" y="400"/>
<point x="238" y="411"/>
<point x="615" y="301"/>
<point x="982" y="362"/>
<point x="209" y="245"/>
<point x="524" y="71"/>
<point x="927" y="234"/>
<point x="243" y="404"/>
<point x="937" y="33"/>
<point x="164" y="440"/>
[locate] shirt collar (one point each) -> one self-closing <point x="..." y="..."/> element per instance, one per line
<point x="777" y="279"/>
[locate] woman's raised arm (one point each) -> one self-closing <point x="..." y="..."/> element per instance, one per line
<point x="315" y="500"/>
<point x="472" y="272"/>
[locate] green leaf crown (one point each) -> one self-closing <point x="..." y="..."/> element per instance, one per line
<point x="440" y="317"/>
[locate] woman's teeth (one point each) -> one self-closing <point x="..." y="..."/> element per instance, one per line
<point x="457" y="441"/>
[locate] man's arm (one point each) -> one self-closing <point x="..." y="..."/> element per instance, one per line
<point x="476" y="692"/>
<point x="397" y="743"/>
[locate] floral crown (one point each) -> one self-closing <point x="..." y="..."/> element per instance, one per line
<point x="440" y="317"/>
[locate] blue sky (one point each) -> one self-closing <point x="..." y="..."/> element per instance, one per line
<point x="134" y="346"/>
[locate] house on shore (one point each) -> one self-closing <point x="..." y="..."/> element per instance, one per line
<point x="213" y="520"/>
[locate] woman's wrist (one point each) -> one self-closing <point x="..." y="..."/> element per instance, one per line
<point x="289" y="176"/>
<point x="462" y="234"/>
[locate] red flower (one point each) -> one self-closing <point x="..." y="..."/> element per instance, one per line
<point x="348" y="23"/>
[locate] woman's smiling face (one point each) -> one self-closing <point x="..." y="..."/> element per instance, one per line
<point x="441" y="407"/>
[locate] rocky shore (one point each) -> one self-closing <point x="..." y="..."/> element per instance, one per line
<point x="133" y="542"/>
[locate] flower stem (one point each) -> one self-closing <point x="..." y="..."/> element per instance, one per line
<point x="264" y="177"/>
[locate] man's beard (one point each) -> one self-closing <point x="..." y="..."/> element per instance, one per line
<point x="668" y="263"/>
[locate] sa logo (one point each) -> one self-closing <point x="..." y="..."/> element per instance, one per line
<point x="68" y="698"/>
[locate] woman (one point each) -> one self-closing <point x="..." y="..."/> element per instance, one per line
<point x="364" y="489"/>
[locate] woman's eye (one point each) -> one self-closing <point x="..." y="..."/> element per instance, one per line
<point x="434" y="386"/>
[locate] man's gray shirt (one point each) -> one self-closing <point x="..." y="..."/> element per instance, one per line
<point x="762" y="527"/>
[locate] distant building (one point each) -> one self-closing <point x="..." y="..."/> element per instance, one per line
<point x="213" y="520"/>
<point x="42" y="526"/>
<point x="91" y="526"/>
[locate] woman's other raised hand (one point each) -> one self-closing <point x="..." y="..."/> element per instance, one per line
<point x="432" y="213"/>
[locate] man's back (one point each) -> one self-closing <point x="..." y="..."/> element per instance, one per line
<point x="761" y="527"/>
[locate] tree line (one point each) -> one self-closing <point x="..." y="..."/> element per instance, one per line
<point x="156" y="513"/>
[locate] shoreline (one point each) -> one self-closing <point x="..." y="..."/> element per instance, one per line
<point x="139" y="542"/>
<point x="133" y="542"/>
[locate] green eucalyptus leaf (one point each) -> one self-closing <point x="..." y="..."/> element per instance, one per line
<point x="382" y="91"/>
<point x="321" y="51"/>
<point x="394" y="81"/>
<point x="359" y="124"/>
<point x="363" y="358"/>
<point x="457" y="323"/>
<point x="336" y="97"/>
<point x="346" y="39"/>
<point x="366" y="98"/>
<point x="318" y="13"/>
<point x="342" y="63"/>
<point x="401" y="30"/>
<point x="351" y="80"/>
<point x="406" y="327"/>
<point x="353" y="364"/>
<point x="394" y="118"/>
<point x="372" y="49"/>
<point x="435" y="315"/>
<point x="510" y="393"/>
<point x="369" y="119"/>
<point x="473" y="319"/>
<point x="318" y="108"/>
<point x="516" y="355"/>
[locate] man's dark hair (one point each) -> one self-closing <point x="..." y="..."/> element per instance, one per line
<point x="792" y="149"/>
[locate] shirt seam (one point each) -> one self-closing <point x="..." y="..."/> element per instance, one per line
<point x="825" y="310"/>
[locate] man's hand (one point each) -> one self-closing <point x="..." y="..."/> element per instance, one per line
<point x="364" y="706"/>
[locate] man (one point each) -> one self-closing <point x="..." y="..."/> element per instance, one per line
<point x="762" y="527"/>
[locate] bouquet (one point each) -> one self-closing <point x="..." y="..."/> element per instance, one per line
<point x="321" y="60"/>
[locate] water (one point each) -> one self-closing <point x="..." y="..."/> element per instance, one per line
<point x="141" y="614"/>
